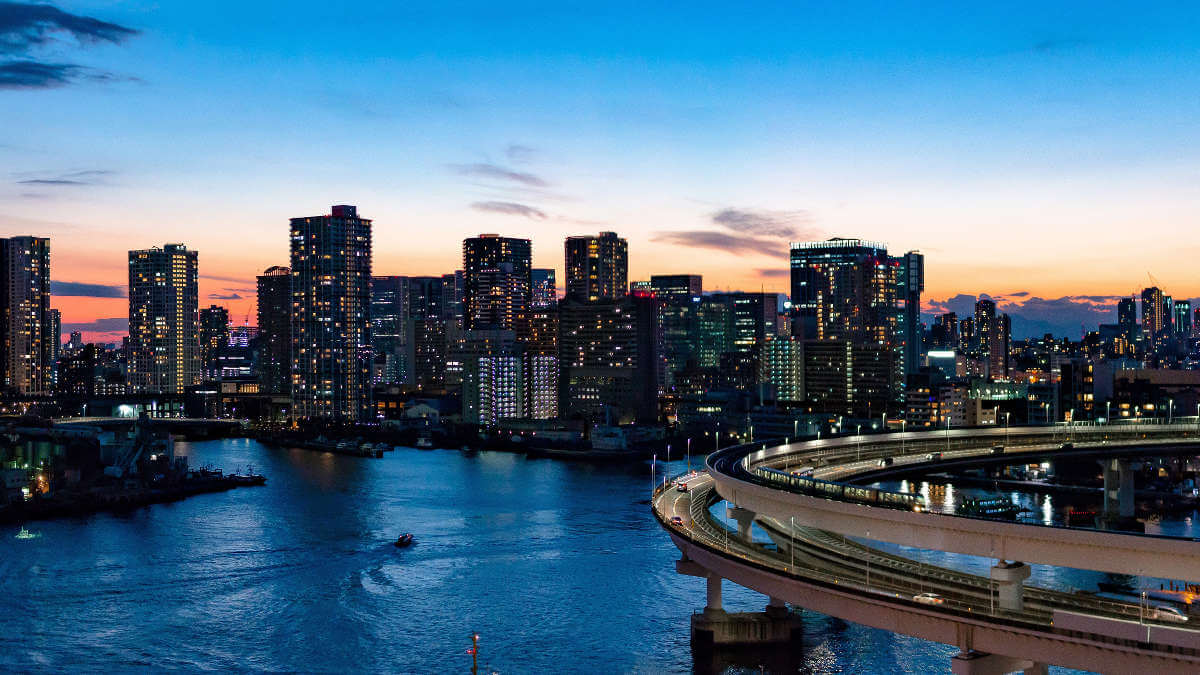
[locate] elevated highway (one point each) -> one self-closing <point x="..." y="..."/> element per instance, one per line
<point x="999" y="624"/>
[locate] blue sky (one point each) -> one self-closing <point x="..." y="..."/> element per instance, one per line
<point x="1025" y="148"/>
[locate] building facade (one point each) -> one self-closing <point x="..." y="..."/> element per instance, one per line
<point x="274" y="363"/>
<point x="164" y="329"/>
<point x="597" y="267"/>
<point x="331" y="295"/>
<point x="26" y="339"/>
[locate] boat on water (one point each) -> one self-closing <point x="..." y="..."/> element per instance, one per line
<point x="26" y="534"/>
<point x="989" y="508"/>
<point x="424" y="442"/>
<point x="404" y="541"/>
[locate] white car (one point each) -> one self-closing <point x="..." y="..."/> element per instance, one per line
<point x="1169" y="614"/>
<point x="929" y="599"/>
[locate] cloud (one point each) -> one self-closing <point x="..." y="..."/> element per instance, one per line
<point x="219" y="278"/>
<point x="218" y="296"/>
<point x="783" y="224"/>
<point x="722" y="242"/>
<point x="89" y="177"/>
<point x="1033" y="316"/>
<point x="773" y="272"/>
<point x="86" y="290"/>
<point x="510" y="209"/>
<point x="519" y="154"/>
<point x="117" y="324"/>
<point x="27" y="27"/>
<point x="497" y="172"/>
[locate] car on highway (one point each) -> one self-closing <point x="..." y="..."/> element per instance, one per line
<point x="1169" y="614"/>
<point x="884" y="461"/>
<point x="682" y="486"/>
<point x="929" y="599"/>
<point x="676" y="520"/>
<point x="933" y="457"/>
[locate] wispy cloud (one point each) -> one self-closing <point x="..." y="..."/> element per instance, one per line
<point x="26" y="28"/>
<point x="499" y="173"/>
<point x="72" y="178"/>
<point x="220" y="296"/>
<point x="721" y="241"/>
<point x="519" y="154"/>
<point x="783" y="224"/>
<point x="86" y="290"/>
<point x="116" y="324"/>
<point x="772" y="272"/>
<point x="510" y="209"/>
<point x="215" y="277"/>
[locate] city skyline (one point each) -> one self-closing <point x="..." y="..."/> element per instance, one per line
<point x="899" y="124"/>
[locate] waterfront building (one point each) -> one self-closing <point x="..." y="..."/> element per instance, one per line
<point x="389" y="311"/>
<point x="214" y="337"/>
<point x="426" y="329"/>
<point x="679" y="297"/>
<point x="164" y="331"/>
<point x="609" y="359"/>
<point x="493" y="386"/>
<point x="26" y="334"/>
<point x="55" y="344"/>
<point x="597" y="267"/>
<point x="330" y="282"/>
<point x="541" y="364"/>
<point x="275" y="330"/>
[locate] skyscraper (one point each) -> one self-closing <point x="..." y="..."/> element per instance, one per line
<point x="597" y="267"/>
<point x="679" y="298"/>
<point x="164" y="332"/>
<point x="26" y="330"/>
<point x="1127" y="318"/>
<point x="545" y="290"/>
<point x="1153" y="321"/>
<point x="389" y="337"/>
<point x="275" y="329"/>
<point x="331" y="295"/>
<point x="993" y="331"/>
<point x="910" y="283"/>
<point x="55" y="343"/>
<point x="426" y="328"/>
<point x="496" y="283"/>
<point x="214" y="336"/>
<point x="1183" y="318"/>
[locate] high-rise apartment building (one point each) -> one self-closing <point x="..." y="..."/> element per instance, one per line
<point x="214" y="337"/>
<point x="1153" y="320"/>
<point x="497" y="286"/>
<point x="331" y="295"/>
<point x="1183" y="318"/>
<point x="993" y="331"/>
<point x="389" y="337"/>
<point x="275" y="330"/>
<point x="55" y="343"/>
<point x="26" y="332"/>
<point x="431" y="314"/>
<point x="164" y="330"/>
<point x="679" y="297"/>
<point x="545" y="290"/>
<point x="597" y="267"/>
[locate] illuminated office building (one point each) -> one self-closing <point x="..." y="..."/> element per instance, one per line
<point x="164" y="331"/>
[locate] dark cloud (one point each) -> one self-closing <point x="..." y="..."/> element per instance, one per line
<point x="86" y="290"/>
<point x="1069" y="315"/>
<point x="219" y="296"/>
<point x="1018" y="294"/>
<point x="117" y="324"/>
<point x="219" y="278"/>
<point x="24" y="26"/>
<point x="27" y="27"/>
<point x="782" y="224"/>
<point x="510" y="209"/>
<point x="35" y="75"/>
<point x="496" y="172"/>
<point x="773" y="272"/>
<point x="90" y="177"/>
<point x="721" y="241"/>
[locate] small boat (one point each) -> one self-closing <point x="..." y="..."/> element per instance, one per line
<point x="425" y="443"/>
<point x="404" y="541"/>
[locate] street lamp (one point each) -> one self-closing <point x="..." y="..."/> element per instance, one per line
<point x="1006" y="416"/>
<point x="860" y="442"/>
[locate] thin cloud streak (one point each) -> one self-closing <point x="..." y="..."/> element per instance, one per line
<point x="497" y="172"/>
<point x="510" y="209"/>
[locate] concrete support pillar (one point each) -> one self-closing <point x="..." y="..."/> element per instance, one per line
<point x="1118" y="487"/>
<point x="744" y="520"/>
<point x="713" y="601"/>
<point x="1037" y="669"/>
<point x="1009" y="578"/>
<point x="978" y="663"/>
<point x="776" y="608"/>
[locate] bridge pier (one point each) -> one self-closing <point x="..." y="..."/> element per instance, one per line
<point x="714" y="627"/>
<point x="1118" y="494"/>
<point x="970" y="662"/>
<point x="744" y="518"/>
<point x="1010" y="578"/>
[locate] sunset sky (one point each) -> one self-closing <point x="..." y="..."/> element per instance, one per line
<point x="1045" y="156"/>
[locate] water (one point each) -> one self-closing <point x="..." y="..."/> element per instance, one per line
<point x="559" y="567"/>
